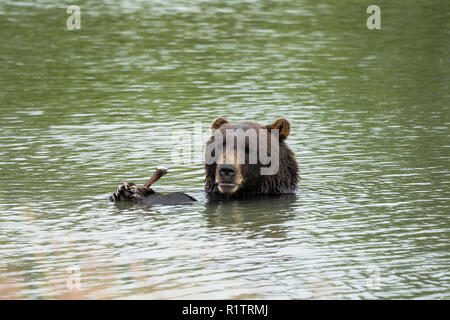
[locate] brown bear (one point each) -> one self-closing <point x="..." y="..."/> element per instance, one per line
<point x="248" y="159"/>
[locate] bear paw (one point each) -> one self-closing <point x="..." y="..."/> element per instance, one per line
<point x="130" y="192"/>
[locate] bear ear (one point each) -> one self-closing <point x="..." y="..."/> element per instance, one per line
<point x="216" y="124"/>
<point x="283" y="125"/>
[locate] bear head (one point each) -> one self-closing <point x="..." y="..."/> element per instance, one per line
<point x="249" y="159"/>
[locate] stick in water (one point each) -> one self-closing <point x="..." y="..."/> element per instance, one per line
<point x="160" y="171"/>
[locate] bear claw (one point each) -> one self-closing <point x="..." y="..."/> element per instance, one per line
<point x="130" y="192"/>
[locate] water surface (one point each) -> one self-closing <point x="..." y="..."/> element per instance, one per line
<point x="85" y="110"/>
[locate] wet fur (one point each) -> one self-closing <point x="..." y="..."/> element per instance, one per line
<point x="254" y="184"/>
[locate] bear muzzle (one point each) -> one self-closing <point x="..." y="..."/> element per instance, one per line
<point x="228" y="188"/>
<point x="228" y="178"/>
<point x="227" y="171"/>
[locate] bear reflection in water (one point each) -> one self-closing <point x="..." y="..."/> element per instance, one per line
<point x="261" y="215"/>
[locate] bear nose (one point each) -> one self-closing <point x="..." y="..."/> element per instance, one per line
<point x="227" y="170"/>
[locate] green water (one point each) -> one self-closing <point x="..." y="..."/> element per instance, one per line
<point x="85" y="110"/>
